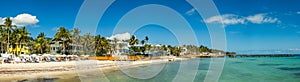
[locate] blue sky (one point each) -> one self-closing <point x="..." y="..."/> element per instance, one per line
<point x="249" y="24"/>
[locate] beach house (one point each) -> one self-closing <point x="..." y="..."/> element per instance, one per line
<point x="57" y="48"/>
<point x="120" y="48"/>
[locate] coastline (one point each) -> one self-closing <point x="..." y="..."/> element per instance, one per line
<point x="66" y="70"/>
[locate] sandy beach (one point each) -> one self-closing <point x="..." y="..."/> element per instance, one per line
<point x="65" y="70"/>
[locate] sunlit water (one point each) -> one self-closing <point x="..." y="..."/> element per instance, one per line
<point x="250" y="69"/>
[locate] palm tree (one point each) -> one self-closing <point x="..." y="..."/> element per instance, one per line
<point x="14" y="40"/>
<point x="101" y="45"/>
<point x="31" y="45"/>
<point x="146" y="38"/>
<point x="164" y="48"/>
<point x="147" y="47"/>
<point x="63" y="35"/>
<point x="23" y="36"/>
<point x="87" y="43"/>
<point x="132" y="42"/>
<point x="76" y="38"/>
<point x="97" y="43"/>
<point x="169" y="47"/>
<point x="8" y="25"/>
<point x="41" y="43"/>
<point x="143" y="42"/>
<point x="176" y="51"/>
<point x="204" y="49"/>
<point x="3" y="38"/>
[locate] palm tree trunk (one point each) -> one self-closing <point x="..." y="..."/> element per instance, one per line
<point x="96" y="52"/>
<point x="1" y="47"/>
<point x="64" y="49"/>
<point x="75" y="49"/>
<point x="20" y="49"/>
<point x="42" y="50"/>
<point x="7" y="45"/>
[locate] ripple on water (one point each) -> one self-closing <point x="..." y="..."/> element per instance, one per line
<point x="237" y="62"/>
<point x="246" y="74"/>
<point x="290" y="68"/>
<point x="297" y="74"/>
<point x="269" y="64"/>
<point x="252" y="59"/>
<point x="293" y="58"/>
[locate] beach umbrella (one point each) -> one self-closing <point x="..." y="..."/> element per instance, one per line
<point x="51" y="55"/>
<point x="33" y="55"/>
<point x="57" y="55"/>
<point x="46" y="55"/>
<point x="5" y="55"/>
<point x="27" y="56"/>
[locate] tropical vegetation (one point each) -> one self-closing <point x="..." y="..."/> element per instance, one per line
<point x="15" y="38"/>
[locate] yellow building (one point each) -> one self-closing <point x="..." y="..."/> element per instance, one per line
<point x="19" y="49"/>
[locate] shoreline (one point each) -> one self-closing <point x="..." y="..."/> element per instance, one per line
<point x="66" y="70"/>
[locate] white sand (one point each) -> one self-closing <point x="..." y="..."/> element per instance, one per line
<point x="64" y="70"/>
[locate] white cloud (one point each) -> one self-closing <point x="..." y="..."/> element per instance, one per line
<point x="22" y="20"/>
<point x="124" y="36"/>
<point x="25" y="19"/>
<point x="298" y="12"/>
<point x="231" y="19"/>
<point x="227" y="19"/>
<point x="191" y="11"/>
<point x="261" y="18"/>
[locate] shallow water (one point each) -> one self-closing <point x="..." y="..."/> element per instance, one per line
<point x="258" y="69"/>
<point x="271" y="69"/>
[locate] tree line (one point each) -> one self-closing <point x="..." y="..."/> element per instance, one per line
<point x="12" y="36"/>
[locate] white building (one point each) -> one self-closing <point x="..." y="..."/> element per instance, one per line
<point x="56" y="48"/>
<point x="119" y="48"/>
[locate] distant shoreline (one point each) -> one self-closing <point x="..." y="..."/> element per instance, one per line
<point x="260" y="55"/>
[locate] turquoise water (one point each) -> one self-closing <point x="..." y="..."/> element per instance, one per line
<point x="250" y="69"/>
<point x="260" y="69"/>
<point x="264" y="69"/>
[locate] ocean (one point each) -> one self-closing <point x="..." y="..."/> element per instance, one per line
<point x="245" y="69"/>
